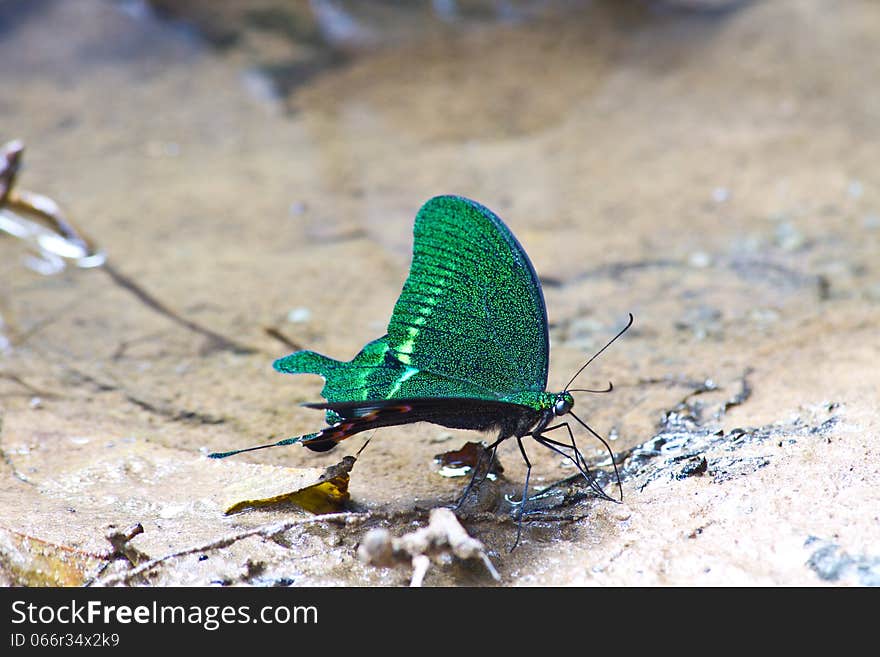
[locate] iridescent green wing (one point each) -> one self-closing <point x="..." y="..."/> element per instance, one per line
<point x="471" y="309"/>
<point x="470" y="321"/>
<point x="374" y="374"/>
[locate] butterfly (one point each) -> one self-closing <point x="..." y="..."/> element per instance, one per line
<point x="467" y="347"/>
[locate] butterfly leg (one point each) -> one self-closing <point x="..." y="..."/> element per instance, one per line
<point x="525" y="494"/>
<point x="577" y="458"/>
<point x="490" y="450"/>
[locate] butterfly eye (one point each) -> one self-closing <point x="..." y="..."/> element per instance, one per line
<point x="562" y="407"/>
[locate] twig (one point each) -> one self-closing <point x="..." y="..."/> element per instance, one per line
<point x="49" y="213"/>
<point x="273" y="332"/>
<point x="443" y="535"/>
<point x="266" y="531"/>
<point x="217" y="341"/>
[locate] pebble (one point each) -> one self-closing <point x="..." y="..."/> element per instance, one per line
<point x="720" y="194"/>
<point x="788" y="237"/>
<point x="299" y="315"/>
<point x="699" y="259"/>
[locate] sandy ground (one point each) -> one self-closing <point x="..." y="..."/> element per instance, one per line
<point x="712" y="172"/>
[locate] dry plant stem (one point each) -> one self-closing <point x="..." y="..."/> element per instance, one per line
<point x="267" y="531"/>
<point x="443" y="534"/>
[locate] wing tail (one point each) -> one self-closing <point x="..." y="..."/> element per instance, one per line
<point x="287" y="441"/>
<point x="305" y="362"/>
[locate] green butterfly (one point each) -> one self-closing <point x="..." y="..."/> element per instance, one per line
<point x="467" y="346"/>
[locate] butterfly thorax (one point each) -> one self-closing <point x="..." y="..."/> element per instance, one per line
<point x="559" y="403"/>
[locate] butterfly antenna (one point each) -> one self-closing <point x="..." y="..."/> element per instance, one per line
<point x="608" y="344"/>
<point x="280" y="443"/>
<point x="608" y="389"/>
<point x="607" y="447"/>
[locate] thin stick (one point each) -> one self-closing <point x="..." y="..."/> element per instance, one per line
<point x="266" y="531"/>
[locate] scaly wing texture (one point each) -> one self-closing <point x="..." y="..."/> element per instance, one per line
<point x="469" y="323"/>
<point x="472" y="307"/>
<point x="374" y="374"/>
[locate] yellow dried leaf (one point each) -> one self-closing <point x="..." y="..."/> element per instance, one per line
<point x="310" y="489"/>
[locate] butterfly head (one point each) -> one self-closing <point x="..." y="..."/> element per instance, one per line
<point x="562" y="403"/>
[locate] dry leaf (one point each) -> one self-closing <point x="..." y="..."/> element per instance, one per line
<point x="312" y="489"/>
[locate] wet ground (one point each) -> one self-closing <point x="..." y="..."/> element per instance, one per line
<point x="252" y="173"/>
